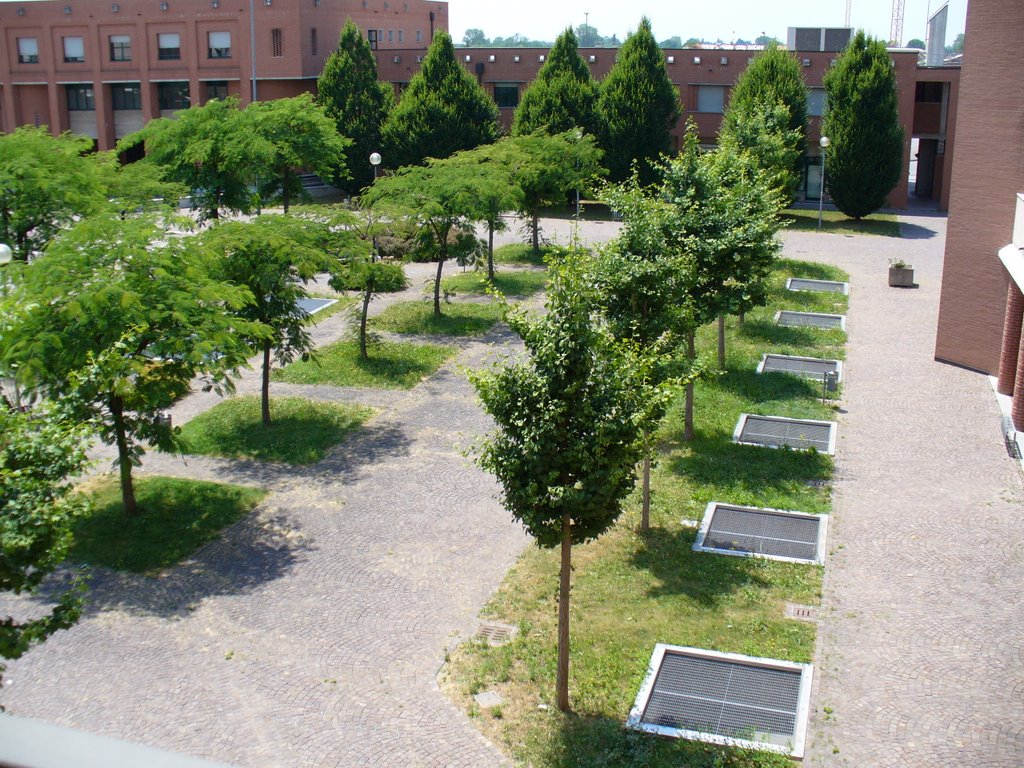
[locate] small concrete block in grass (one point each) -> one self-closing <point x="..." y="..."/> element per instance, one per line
<point x="488" y="699"/>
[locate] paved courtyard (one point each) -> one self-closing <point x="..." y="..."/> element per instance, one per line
<point x="311" y="634"/>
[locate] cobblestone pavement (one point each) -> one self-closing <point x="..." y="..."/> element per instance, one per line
<point x="312" y="632"/>
<point x="921" y="650"/>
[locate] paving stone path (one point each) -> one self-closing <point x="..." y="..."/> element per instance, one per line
<point x="921" y="649"/>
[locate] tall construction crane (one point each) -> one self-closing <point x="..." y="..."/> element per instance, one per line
<point x="896" y="30"/>
<point x="848" y="4"/>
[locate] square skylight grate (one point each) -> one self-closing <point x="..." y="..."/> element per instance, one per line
<point x="312" y="306"/>
<point x="807" y="367"/>
<point x="810" y="319"/>
<point x="794" y="537"/>
<point x="826" y="286"/>
<point x="724" y="698"/>
<point x="495" y="633"/>
<point x="777" y="431"/>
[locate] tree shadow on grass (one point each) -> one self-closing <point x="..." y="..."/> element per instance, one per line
<point x="584" y="741"/>
<point x="806" y="269"/>
<point x="762" y="387"/>
<point x="788" y="335"/>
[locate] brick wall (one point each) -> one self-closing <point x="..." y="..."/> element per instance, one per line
<point x="989" y="171"/>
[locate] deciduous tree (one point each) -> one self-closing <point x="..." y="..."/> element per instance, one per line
<point x="442" y="110"/>
<point x="138" y="312"/>
<point x="568" y="432"/>
<point x="865" y="159"/>
<point x="639" y="107"/>
<point x="297" y="136"/>
<point x="349" y="90"/>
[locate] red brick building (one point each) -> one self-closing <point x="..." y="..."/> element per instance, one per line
<point x="981" y="304"/>
<point x="103" y="68"/>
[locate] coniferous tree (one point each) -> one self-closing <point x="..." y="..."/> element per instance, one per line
<point x="865" y="158"/>
<point x="773" y="77"/>
<point x="442" y="111"/>
<point x="563" y="96"/>
<point x="639" y="106"/>
<point x="350" y="93"/>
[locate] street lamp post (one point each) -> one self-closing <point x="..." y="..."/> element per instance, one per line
<point x="375" y="161"/>
<point x="823" y="142"/>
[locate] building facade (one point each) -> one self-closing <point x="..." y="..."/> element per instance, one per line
<point x="989" y="170"/>
<point x="103" y="68"/>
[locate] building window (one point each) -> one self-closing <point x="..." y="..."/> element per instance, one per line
<point x="391" y="35"/>
<point x="711" y="98"/>
<point x="815" y="102"/>
<point x="401" y="35"/>
<point x="219" y="45"/>
<point x="276" y="43"/>
<point x="314" y="48"/>
<point x="172" y="96"/>
<point x="120" y="48"/>
<point x="506" y="95"/>
<point x="80" y="98"/>
<point x="74" y="50"/>
<point x="28" y="50"/>
<point x="126" y="96"/>
<point x="419" y="35"/>
<point x="371" y="38"/>
<point x="168" y="46"/>
<point x="216" y="89"/>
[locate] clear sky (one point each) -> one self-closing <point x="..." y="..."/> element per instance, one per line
<point x="708" y="19"/>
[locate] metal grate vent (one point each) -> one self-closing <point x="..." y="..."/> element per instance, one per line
<point x="810" y="319"/>
<point x="312" y="306"/>
<point x="776" y="432"/>
<point x="495" y="633"/>
<point x="826" y="286"/>
<point x="807" y="367"/>
<point x="776" y="534"/>
<point x="801" y="612"/>
<point x="724" y="698"/>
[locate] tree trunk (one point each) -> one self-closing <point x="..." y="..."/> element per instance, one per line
<point x="562" y="681"/>
<point x="124" y="460"/>
<point x="362" y="320"/>
<point x="536" y="233"/>
<point x="490" y="251"/>
<point x="286" y="197"/>
<point x="265" y="388"/>
<point x="721" y="341"/>
<point x="691" y="355"/>
<point x="437" y="281"/>
<point x="645" y="515"/>
<point x="740" y="318"/>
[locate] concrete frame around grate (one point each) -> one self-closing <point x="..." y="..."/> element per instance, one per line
<point x="795" y="749"/>
<point x="840" y="318"/>
<point x="712" y="507"/>
<point x="844" y="288"/>
<point x="317" y="304"/>
<point x="836" y="365"/>
<point x="742" y="423"/>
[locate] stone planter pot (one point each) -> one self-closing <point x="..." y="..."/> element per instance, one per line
<point x="901" y="277"/>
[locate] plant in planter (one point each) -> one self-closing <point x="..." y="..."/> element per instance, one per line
<point x="901" y="274"/>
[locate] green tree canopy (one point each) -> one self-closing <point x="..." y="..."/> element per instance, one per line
<point x="563" y="96"/>
<point x="773" y="77"/>
<point x="350" y="92"/>
<point x="41" y="453"/>
<point x="46" y="182"/>
<point x="211" y="150"/>
<point x="442" y="110"/>
<point x="762" y="130"/>
<point x="639" y="106"/>
<point x="569" y="422"/>
<point x="865" y="159"/>
<point x="297" y="136"/>
<point x="272" y="256"/>
<point x="138" y="312"/>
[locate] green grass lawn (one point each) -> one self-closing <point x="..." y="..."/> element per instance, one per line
<point x="341" y="304"/>
<point x="457" y="318"/>
<point x="631" y="591"/>
<point x="836" y="222"/>
<point x="175" y="518"/>
<point x="520" y="283"/>
<point x="391" y="365"/>
<point x="301" y="432"/>
<point x="520" y="253"/>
